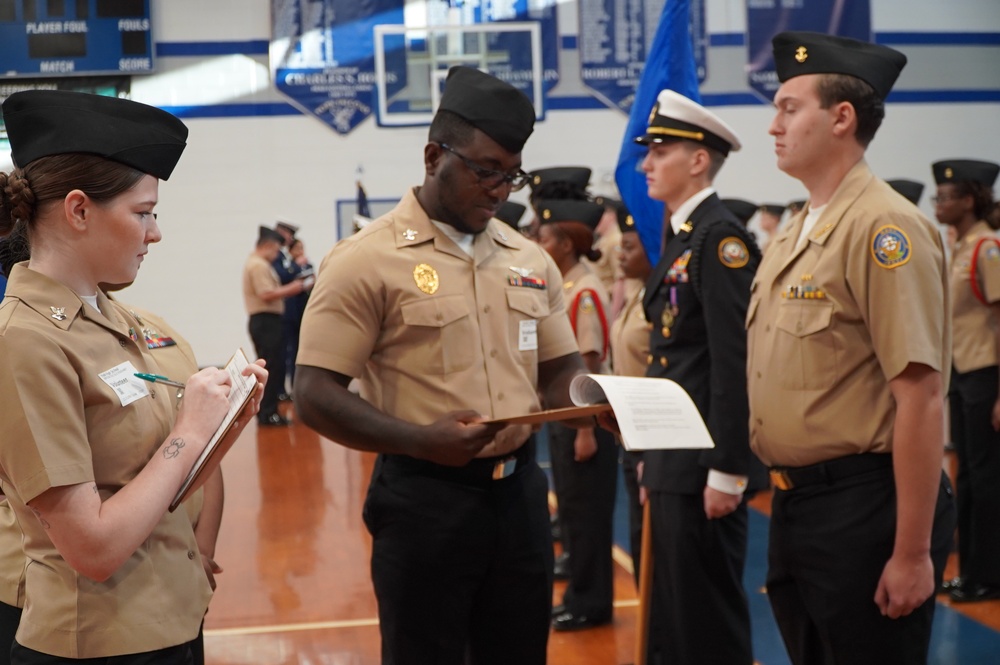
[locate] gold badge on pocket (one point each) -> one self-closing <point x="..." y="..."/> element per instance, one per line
<point x="426" y="278"/>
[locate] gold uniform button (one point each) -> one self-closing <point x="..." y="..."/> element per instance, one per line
<point x="758" y="375"/>
<point x="493" y="353"/>
<point x="190" y="554"/>
<point x="121" y="343"/>
<point x="534" y="308"/>
<point x="767" y="328"/>
<point x="499" y="397"/>
<point x="760" y="422"/>
<point x="486" y="309"/>
<point x="440" y="316"/>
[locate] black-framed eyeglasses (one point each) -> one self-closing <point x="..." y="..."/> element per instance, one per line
<point x="490" y="178"/>
<point x="943" y="199"/>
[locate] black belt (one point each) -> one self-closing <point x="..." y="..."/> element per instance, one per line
<point x="479" y="471"/>
<point x="789" y="477"/>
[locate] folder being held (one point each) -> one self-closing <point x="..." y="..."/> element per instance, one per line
<point x="652" y="413"/>
<point x="240" y="394"/>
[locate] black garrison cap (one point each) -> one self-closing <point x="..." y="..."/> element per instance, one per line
<point x="911" y="189"/>
<point x="798" y="205"/>
<point x="265" y="233"/>
<point x="626" y="223"/>
<point x="510" y="213"/>
<point x="775" y="209"/>
<point x="495" y="108"/>
<point x="743" y="210"/>
<point x="41" y="123"/>
<point x="587" y="213"/>
<point x="797" y="53"/>
<point x="956" y="170"/>
<point x="578" y="176"/>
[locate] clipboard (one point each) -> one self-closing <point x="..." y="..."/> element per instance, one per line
<point x="550" y="415"/>
<point x="240" y="395"/>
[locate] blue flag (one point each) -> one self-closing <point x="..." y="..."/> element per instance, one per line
<point x="669" y="65"/>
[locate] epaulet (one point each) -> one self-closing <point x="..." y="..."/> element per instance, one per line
<point x="700" y="237"/>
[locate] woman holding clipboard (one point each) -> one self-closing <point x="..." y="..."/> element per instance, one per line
<point x="91" y="457"/>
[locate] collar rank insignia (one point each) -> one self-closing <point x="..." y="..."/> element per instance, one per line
<point x="58" y="313"/>
<point x="409" y="234"/>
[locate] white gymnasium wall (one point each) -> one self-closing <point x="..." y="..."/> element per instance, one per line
<point x="239" y="172"/>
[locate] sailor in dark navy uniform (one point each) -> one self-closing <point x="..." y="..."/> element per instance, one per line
<point x="696" y="300"/>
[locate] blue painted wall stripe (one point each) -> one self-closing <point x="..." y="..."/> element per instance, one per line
<point x="890" y="38"/>
<point x="200" y="49"/>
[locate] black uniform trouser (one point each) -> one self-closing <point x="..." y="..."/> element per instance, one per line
<point x="829" y="543"/>
<point x="10" y="618"/>
<point x="977" y="484"/>
<point x="699" y="612"/>
<point x="269" y="342"/>
<point x="630" y="473"/>
<point x="178" y="655"/>
<point x="586" y="496"/>
<point x="461" y="563"/>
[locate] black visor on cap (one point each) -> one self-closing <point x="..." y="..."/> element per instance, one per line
<point x="798" y="53"/>
<point x="41" y="123"/>
<point x="495" y="108"/>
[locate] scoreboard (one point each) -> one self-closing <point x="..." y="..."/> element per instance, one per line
<point x="74" y="37"/>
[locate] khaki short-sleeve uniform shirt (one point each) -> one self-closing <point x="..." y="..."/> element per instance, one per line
<point x="630" y="334"/>
<point x="832" y="321"/>
<point x="429" y="329"/>
<point x="606" y="268"/>
<point x="588" y="306"/>
<point x="176" y="360"/>
<point x="65" y="425"/>
<point x="259" y="277"/>
<point x="974" y="324"/>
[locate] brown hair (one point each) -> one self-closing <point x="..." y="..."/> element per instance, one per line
<point x="47" y="180"/>
<point x="868" y="107"/>
<point x="581" y="236"/>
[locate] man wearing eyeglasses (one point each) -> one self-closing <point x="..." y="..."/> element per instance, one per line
<point x="449" y="319"/>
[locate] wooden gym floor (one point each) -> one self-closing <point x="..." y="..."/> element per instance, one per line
<point x="296" y="589"/>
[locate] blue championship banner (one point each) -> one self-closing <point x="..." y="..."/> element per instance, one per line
<point x="322" y="55"/>
<point x="615" y="41"/>
<point x="766" y="18"/>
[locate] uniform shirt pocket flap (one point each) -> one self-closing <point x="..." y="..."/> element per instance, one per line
<point x="532" y="305"/>
<point x="803" y="318"/>
<point x="435" y="312"/>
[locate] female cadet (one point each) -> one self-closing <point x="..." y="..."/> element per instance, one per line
<point x="584" y="462"/>
<point x="91" y="458"/>
<point x="630" y="354"/>
<point x="963" y="202"/>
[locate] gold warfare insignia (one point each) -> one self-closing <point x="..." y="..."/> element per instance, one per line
<point x="890" y="247"/>
<point x="801" y="54"/>
<point x="733" y="252"/>
<point x="426" y="279"/>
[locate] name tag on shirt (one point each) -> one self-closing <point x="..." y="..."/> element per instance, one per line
<point x="528" y="338"/>
<point x="122" y="379"/>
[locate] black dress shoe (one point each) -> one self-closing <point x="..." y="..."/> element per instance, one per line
<point x="950" y="585"/>
<point x="568" y="621"/>
<point x="274" y="420"/>
<point x="561" y="569"/>
<point x="973" y="592"/>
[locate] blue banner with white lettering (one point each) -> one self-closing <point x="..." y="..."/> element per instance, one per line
<point x="766" y="18"/>
<point x="616" y="39"/>
<point x="323" y="56"/>
<point x="671" y="65"/>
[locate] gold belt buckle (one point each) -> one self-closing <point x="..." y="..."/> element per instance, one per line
<point x="780" y="479"/>
<point x="504" y="468"/>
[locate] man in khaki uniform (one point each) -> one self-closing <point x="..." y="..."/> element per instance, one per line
<point x="264" y="296"/>
<point x="448" y="318"/>
<point x="848" y="340"/>
<point x="963" y="203"/>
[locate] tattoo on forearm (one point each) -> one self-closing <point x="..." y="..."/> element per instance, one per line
<point x="41" y="520"/>
<point x="173" y="449"/>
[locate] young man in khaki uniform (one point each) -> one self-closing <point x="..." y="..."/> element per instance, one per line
<point x="963" y="202"/>
<point x="448" y="318"/>
<point x="848" y="339"/>
<point x="264" y="297"/>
